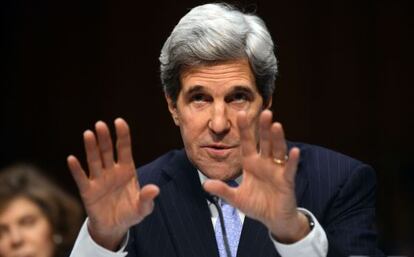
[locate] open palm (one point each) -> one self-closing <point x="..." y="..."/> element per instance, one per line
<point x="267" y="192"/>
<point x="111" y="194"/>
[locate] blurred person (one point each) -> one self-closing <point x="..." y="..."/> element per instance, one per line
<point x="37" y="218"/>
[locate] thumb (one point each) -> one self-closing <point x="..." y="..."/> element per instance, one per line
<point x="146" y="199"/>
<point x="221" y="189"/>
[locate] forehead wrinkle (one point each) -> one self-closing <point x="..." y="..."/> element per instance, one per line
<point x="206" y="80"/>
<point x="218" y="76"/>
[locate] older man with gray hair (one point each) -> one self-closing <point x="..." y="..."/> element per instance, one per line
<point x="238" y="188"/>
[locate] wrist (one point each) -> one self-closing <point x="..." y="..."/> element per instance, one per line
<point x="294" y="230"/>
<point x="110" y="240"/>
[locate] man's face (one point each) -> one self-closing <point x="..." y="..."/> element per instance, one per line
<point x="206" y="111"/>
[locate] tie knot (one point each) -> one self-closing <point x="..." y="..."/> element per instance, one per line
<point x="232" y="183"/>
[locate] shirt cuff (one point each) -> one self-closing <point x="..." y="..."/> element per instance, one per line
<point x="314" y="244"/>
<point x="86" y="247"/>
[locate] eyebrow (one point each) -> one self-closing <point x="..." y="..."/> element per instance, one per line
<point x="195" y="89"/>
<point x="244" y="89"/>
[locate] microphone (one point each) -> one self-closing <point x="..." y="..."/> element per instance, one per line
<point x="214" y="200"/>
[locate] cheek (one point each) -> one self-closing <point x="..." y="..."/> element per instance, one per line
<point x="42" y="237"/>
<point x="4" y="247"/>
<point x="192" y="126"/>
<point x="254" y="117"/>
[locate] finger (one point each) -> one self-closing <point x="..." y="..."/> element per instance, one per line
<point x="279" y="147"/>
<point x="146" y="199"/>
<point x="221" y="189"/>
<point x="292" y="165"/>
<point x="123" y="142"/>
<point x="93" y="156"/>
<point x="77" y="173"/>
<point x="247" y="138"/>
<point x="265" y="139"/>
<point x="105" y="144"/>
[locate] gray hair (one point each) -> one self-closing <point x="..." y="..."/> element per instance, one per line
<point x="218" y="32"/>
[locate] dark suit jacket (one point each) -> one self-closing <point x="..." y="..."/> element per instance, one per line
<point x="337" y="189"/>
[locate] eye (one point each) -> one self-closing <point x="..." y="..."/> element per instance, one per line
<point x="239" y="97"/>
<point x="198" y="98"/>
<point x="28" y="221"/>
<point x="3" y="230"/>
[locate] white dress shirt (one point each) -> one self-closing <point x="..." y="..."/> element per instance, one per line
<point x="315" y="244"/>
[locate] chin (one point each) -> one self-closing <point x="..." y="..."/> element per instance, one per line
<point x="220" y="171"/>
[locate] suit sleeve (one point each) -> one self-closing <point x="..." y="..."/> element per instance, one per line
<point x="350" y="219"/>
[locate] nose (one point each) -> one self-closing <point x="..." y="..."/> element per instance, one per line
<point x="219" y="122"/>
<point x="16" y="237"/>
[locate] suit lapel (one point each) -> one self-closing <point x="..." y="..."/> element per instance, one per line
<point x="188" y="218"/>
<point x="255" y="240"/>
<point x="301" y="180"/>
<point x="186" y="211"/>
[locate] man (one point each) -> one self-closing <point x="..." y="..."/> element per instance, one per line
<point x="218" y="69"/>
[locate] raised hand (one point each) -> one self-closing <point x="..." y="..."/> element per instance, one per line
<point x="111" y="194"/>
<point x="267" y="192"/>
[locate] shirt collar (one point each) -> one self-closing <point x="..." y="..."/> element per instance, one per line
<point x="204" y="178"/>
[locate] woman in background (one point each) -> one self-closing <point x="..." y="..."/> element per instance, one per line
<point x="37" y="219"/>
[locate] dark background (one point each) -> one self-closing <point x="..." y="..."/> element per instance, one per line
<point x="345" y="82"/>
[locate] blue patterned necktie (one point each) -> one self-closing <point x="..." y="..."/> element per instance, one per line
<point x="232" y="224"/>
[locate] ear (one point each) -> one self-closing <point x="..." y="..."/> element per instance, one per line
<point x="268" y="104"/>
<point x="172" y="107"/>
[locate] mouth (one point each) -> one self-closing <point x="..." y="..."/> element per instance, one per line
<point x="24" y="255"/>
<point x="219" y="151"/>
